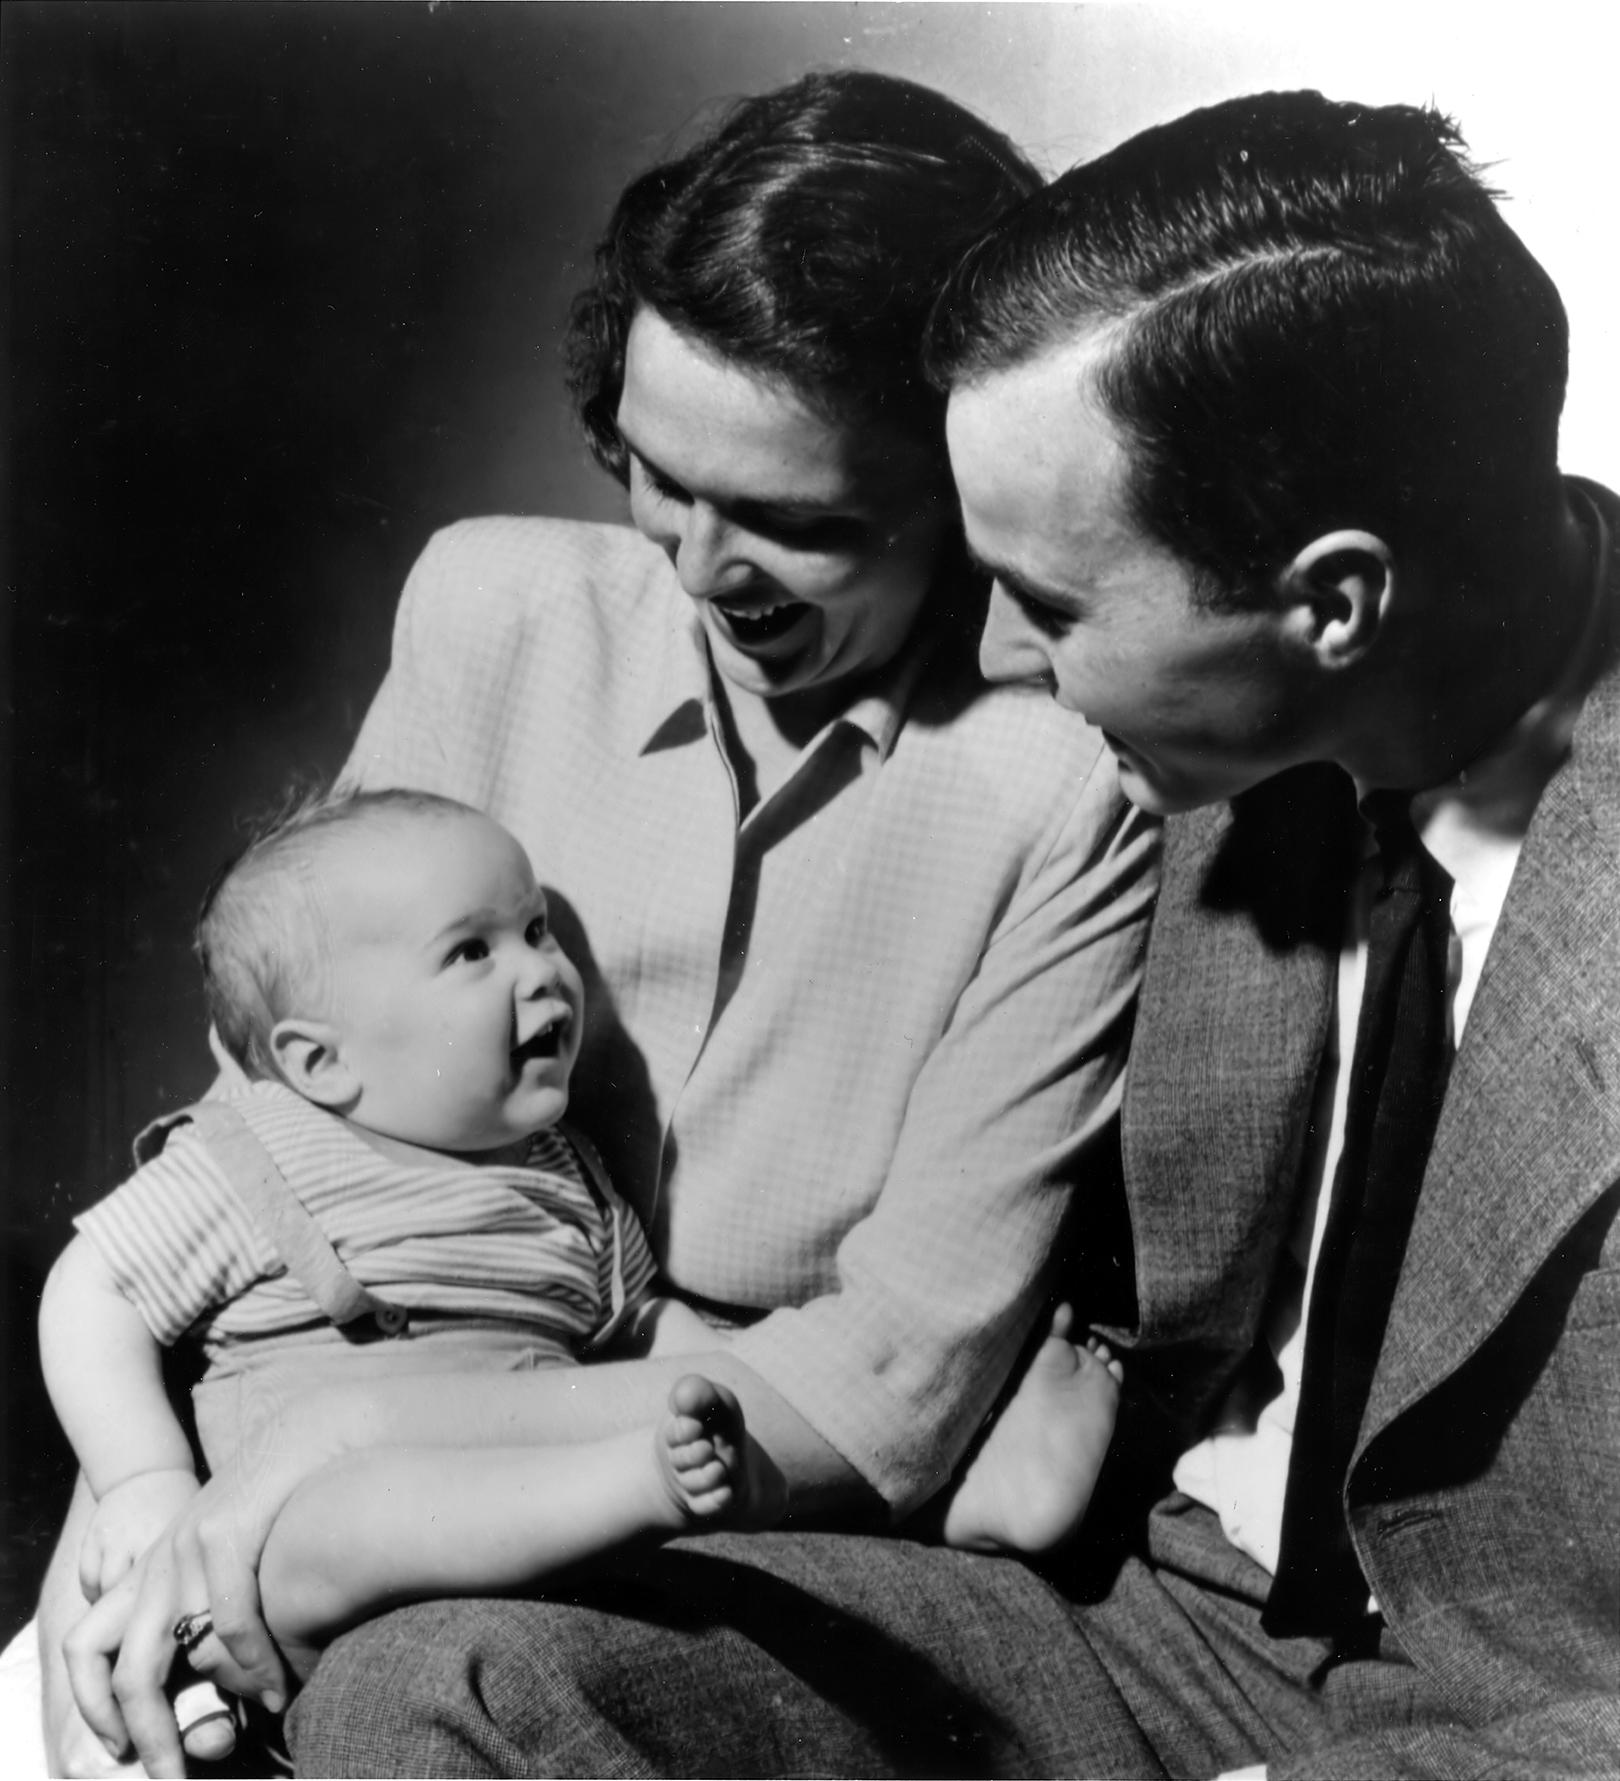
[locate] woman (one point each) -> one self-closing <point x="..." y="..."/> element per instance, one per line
<point x="860" y="936"/>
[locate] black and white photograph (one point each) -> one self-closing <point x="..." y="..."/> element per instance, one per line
<point x="810" y="943"/>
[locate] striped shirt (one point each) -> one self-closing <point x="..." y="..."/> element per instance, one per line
<point x="846" y="1056"/>
<point x="532" y="1247"/>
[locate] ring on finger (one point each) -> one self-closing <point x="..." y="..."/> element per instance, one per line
<point x="191" y="1629"/>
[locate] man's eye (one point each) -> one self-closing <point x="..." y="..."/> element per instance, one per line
<point x="537" y="930"/>
<point x="1048" y="620"/>
<point x="468" y="952"/>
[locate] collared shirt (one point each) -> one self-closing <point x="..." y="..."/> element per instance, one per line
<point x="533" y="1247"/>
<point x="846" y="1056"/>
<point x="1474" y="827"/>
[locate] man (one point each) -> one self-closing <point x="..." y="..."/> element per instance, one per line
<point x="1254" y="422"/>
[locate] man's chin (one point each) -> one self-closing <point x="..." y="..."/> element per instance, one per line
<point x="1150" y="792"/>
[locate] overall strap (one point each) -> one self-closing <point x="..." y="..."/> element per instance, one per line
<point x="283" y="1218"/>
<point x="600" y="1183"/>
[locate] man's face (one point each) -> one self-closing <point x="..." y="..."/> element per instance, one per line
<point x="1196" y="705"/>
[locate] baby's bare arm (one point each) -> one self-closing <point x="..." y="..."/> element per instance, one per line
<point x="104" y="1371"/>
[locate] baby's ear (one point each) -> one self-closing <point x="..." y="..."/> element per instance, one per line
<point x="310" y="1058"/>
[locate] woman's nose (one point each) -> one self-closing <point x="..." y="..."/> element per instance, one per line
<point x="707" y="560"/>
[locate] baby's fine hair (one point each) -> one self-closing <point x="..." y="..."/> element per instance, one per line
<point x="262" y="935"/>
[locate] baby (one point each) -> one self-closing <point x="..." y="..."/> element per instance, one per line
<point x="392" y="1190"/>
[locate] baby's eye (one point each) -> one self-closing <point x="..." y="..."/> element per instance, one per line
<point x="467" y="952"/>
<point x="537" y="930"/>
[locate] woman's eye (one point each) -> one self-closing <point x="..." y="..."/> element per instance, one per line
<point x="661" y="486"/>
<point x="537" y="930"/>
<point x="468" y="952"/>
<point x="830" y="534"/>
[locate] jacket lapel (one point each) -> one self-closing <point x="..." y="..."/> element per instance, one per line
<point x="1234" y="1014"/>
<point x="1530" y="1134"/>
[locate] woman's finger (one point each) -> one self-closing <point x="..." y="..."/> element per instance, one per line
<point x="249" y="1663"/>
<point x="88" y="1650"/>
<point x="119" y="1657"/>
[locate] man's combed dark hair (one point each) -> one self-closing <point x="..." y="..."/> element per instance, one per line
<point x="1312" y="316"/>
<point x="805" y="240"/>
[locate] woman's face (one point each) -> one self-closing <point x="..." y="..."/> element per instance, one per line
<point x="808" y="546"/>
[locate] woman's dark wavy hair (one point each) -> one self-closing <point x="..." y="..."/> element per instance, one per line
<point x="1316" y="317"/>
<point x="804" y="239"/>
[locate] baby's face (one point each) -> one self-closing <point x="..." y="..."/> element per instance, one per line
<point x="457" y="1012"/>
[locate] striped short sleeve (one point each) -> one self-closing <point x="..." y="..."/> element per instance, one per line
<point x="177" y="1239"/>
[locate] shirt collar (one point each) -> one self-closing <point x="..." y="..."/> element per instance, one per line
<point x="682" y="698"/>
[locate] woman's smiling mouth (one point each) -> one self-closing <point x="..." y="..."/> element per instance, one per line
<point x="754" y="624"/>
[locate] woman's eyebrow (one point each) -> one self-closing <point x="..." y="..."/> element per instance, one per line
<point x="786" y="506"/>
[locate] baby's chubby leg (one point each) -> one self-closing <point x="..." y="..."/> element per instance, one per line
<point x="1028" y="1486"/>
<point x="384" y="1525"/>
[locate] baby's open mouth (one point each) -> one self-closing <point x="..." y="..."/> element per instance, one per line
<point x="761" y="624"/>
<point x="544" y="1042"/>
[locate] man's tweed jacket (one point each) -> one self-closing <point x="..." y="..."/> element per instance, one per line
<point x="1484" y="1498"/>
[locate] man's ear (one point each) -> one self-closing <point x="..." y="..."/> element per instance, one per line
<point x="311" y="1061"/>
<point x="1337" y="593"/>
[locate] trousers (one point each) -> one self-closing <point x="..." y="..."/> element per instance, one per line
<point x="826" y="1654"/>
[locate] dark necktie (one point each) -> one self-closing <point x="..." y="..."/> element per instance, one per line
<point x="1398" y="1081"/>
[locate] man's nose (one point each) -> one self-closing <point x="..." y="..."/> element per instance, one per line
<point x="1011" y="648"/>
<point x="707" y="558"/>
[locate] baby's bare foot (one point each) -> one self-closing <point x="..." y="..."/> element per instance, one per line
<point x="713" y="1470"/>
<point x="1029" y="1485"/>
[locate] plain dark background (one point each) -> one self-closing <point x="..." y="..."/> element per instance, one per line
<point x="284" y="286"/>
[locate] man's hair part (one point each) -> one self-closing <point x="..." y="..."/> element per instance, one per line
<point x="1310" y="315"/>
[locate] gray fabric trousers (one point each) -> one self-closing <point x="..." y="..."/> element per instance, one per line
<point x="806" y="1654"/>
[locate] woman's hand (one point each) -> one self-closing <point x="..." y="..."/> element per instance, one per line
<point x="72" y="1749"/>
<point x="120" y="1653"/>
